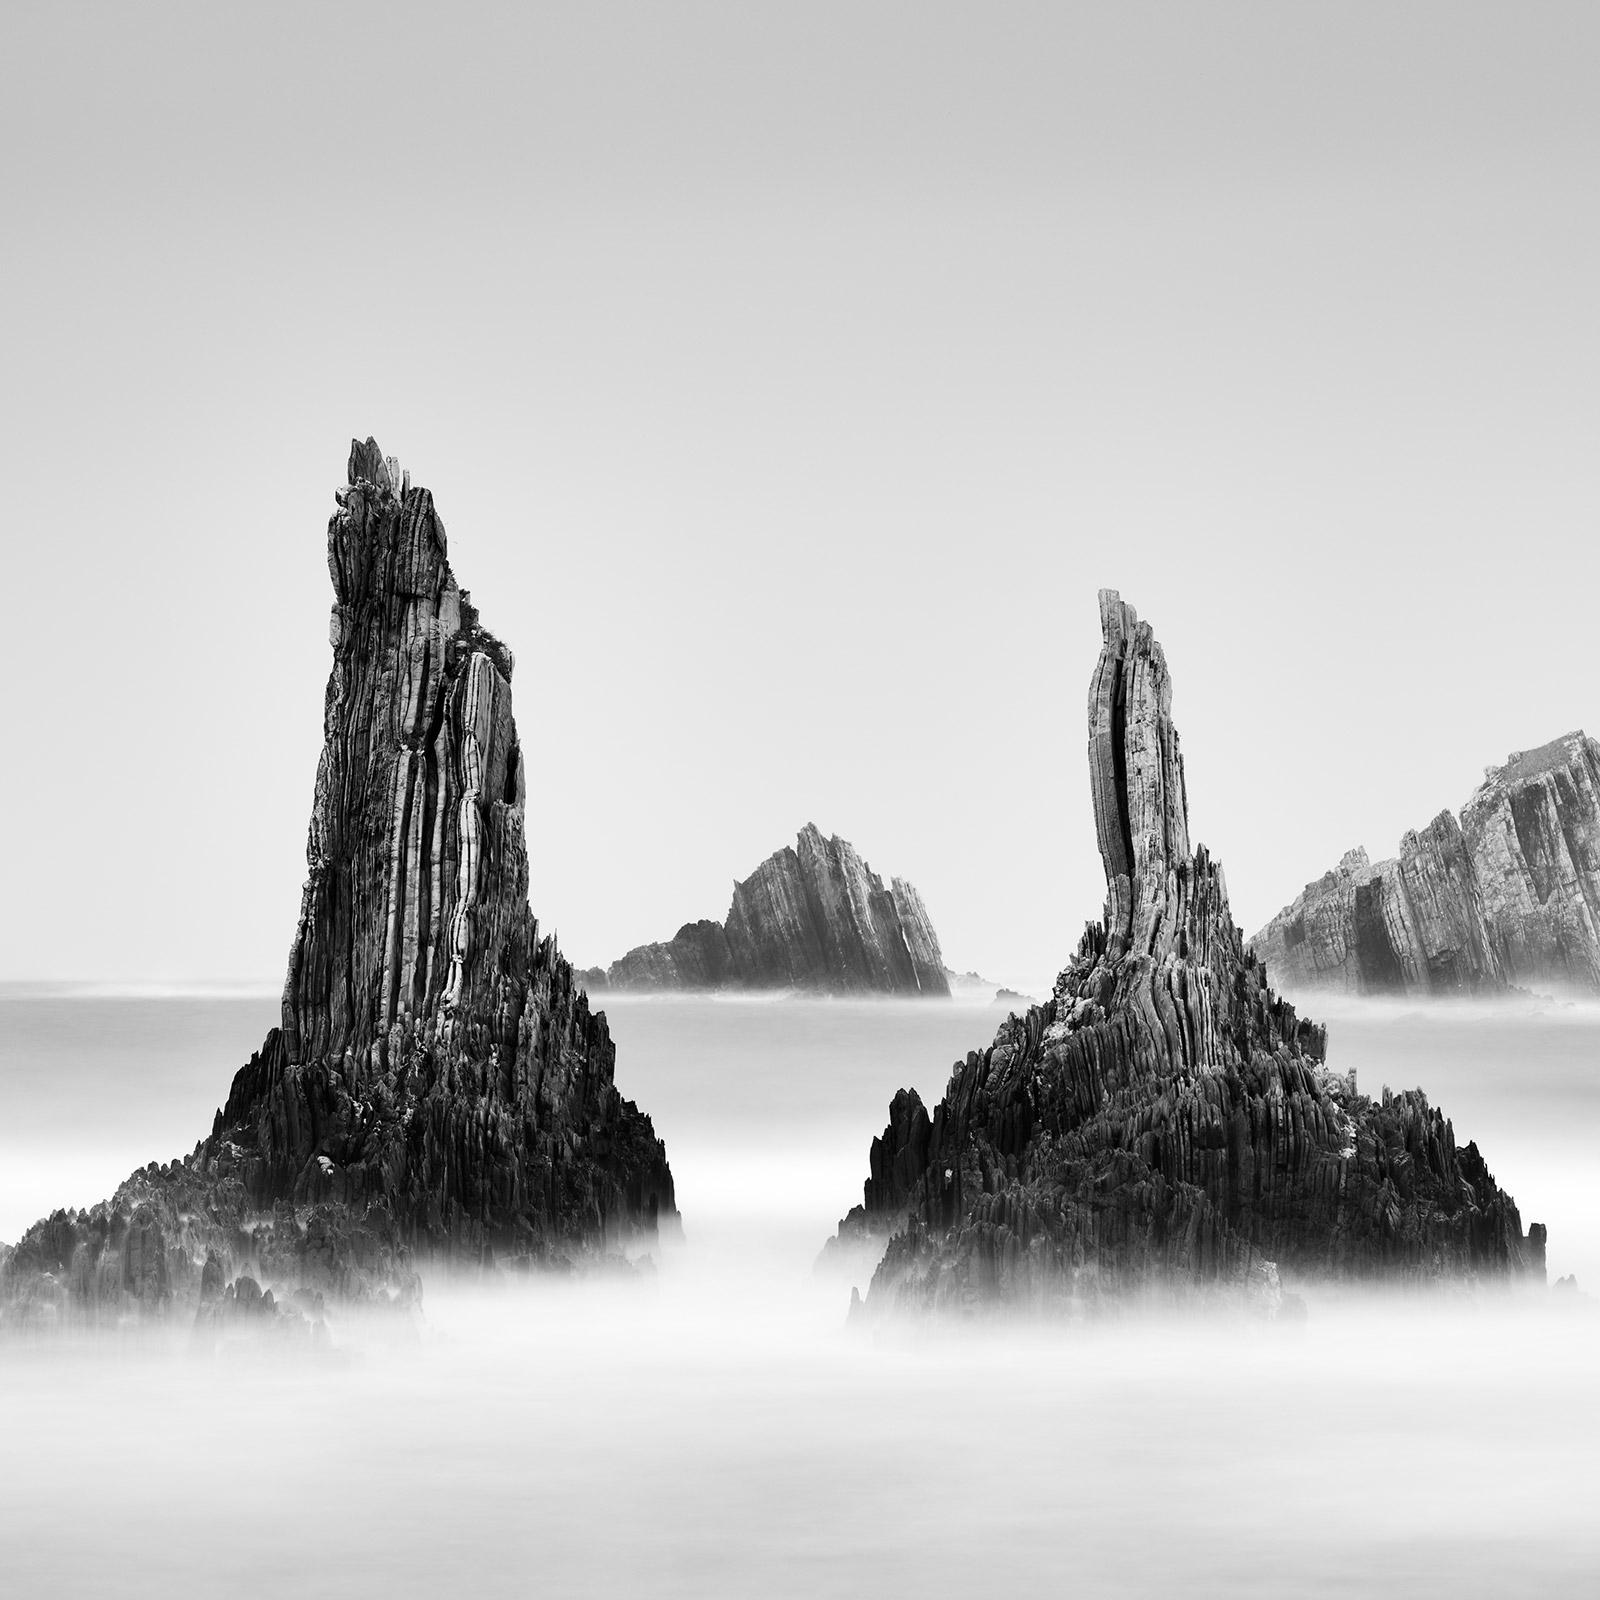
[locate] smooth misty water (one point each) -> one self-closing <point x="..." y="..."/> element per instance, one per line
<point x="716" y="1430"/>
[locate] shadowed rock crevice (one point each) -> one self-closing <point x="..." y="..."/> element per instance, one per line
<point x="439" y="1085"/>
<point x="1164" y="1124"/>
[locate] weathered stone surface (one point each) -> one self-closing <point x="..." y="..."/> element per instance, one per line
<point x="1164" y="1124"/>
<point x="813" y="916"/>
<point x="438" y="1084"/>
<point x="1510" y="896"/>
<point x="1533" y="830"/>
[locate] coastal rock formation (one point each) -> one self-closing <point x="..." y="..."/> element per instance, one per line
<point x="1164" y="1124"/>
<point x="1533" y="831"/>
<point x="439" y="1084"/>
<point x="1511" y="895"/>
<point x="813" y="916"/>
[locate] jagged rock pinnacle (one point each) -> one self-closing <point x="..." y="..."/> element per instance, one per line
<point x="1141" y="811"/>
<point x="1164" y="1122"/>
<point x="438" y="1084"/>
<point x="416" y="903"/>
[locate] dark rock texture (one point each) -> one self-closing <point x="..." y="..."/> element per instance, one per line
<point x="1511" y="895"/>
<point x="439" y="1084"/>
<point x="1164" y="1124"/>
<point x="813" y="916"/>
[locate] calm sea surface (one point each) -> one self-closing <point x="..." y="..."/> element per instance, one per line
<point x="715" y="1430"/>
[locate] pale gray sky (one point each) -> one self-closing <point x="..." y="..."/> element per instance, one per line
<point x="789" y="378"/>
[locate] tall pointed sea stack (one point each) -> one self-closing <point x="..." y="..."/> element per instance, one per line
<point x="439" y="1084"/>
<point x="1163" y="1121"/>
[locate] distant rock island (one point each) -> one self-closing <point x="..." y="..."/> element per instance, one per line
<point x="974" y="986"/>
<point x="439" y="1085"/>
<point x="1510" y="895"/>
<point x="1164" y="1124"/>
<point x="813" y="916"/>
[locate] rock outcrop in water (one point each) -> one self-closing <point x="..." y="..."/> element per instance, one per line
<point x="438" y="1084"/>
<point x="813" y="916"/>
<point x="1165" y="1124"/>
<point x="1511" y="895"/>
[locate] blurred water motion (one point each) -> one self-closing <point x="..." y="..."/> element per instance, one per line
<point x="713" y="1428"/>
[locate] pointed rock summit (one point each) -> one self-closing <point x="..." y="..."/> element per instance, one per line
<point x="813" y="916"/>
<point x="1164" y="1122"/>
<point x="439" y="1084"/>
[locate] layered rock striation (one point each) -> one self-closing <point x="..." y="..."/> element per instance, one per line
<point x="813" y="916"/>
<point x="1164" y="1124"/>
<point x="438" y="1084"/>
<point x="1509" y="895"/>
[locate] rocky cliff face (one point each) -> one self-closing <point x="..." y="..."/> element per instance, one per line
<point x="1510" y="895"/>
<point x="1533" y="831"/>
<point x="813" y="916"/>
<point x="438" y="1084"/>
<point x="1164" y="1123"/>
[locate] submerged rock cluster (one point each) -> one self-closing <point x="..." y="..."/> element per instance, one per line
<point x="439" y="1084"/>
<point x="1164" y="1123"/>
<point x="1509" y="895"/>
<point x="813" y="916"/>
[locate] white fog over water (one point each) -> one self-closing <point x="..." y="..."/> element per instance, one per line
<point x="716" y="1429"/>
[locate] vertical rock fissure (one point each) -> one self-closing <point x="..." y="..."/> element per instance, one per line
<point x="394" y="966"/>
<point x="1119" y="769"/>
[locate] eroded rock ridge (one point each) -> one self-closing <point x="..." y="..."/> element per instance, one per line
<point x="1164" y="1123"/>
<point x="1509" y="895"/>
<point x="439" y="1084"/>
<point x="813" y="916"/>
